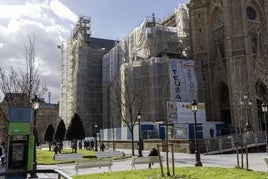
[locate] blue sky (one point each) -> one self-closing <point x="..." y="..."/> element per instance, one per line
<point x="51" y="21"/>
<point x="114" y="19"/>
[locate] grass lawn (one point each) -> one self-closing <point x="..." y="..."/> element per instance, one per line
<point x="45" y="157"/>
<point x="181" y="173"/>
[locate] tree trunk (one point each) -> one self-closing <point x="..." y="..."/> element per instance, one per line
<point x="75" y="146"/>
<point x="132" y="143"/>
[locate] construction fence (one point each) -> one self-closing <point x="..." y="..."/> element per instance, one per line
<point x="229" y="143"/>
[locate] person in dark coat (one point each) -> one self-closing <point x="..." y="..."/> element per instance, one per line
<point x="102" y="147"/>
<point x="211" y="131"/>
<point x="3" y="161"/>
<point x="153" y="152"/>
<point x="92" y="145"/>
<point x="2" y="157"/>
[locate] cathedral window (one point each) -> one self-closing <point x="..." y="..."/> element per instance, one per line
<point x="218" y="20"/>
<point x="251" y="13"/>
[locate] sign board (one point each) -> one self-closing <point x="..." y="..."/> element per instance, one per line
<point x="183" y="82"/>
<point x="20" y="114"/>
<point x="184" y="113"/>
<point x="17" y="128"/>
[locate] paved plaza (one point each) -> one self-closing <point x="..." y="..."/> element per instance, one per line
<point x="256" y="162"/>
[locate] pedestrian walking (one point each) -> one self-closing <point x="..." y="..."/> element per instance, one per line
<point x="211" y="131"/>
<point x="3" y="160"/>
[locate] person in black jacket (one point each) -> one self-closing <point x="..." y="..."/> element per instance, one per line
<point x="153" y="152"/>
<point x="102" y="147"/>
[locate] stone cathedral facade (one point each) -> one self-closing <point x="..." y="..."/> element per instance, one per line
<point x="230" y="39"/>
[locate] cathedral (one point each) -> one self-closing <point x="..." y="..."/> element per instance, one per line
<point x="230" y="40"/>
<point x="225" y="41"/>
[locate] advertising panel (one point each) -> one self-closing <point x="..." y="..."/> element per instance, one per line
<point x="181" y="112"/>
<point x="186" y="115"/>
<point x="17" y="128"/>
<point x="20" y="114"/>
<point x="183" y="83"/>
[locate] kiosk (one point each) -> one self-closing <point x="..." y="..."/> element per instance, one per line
<point x="20" y="141"/>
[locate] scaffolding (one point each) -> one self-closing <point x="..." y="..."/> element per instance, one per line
<point x="80" y="37"/>
<point x="82" y="31"/>
<point x="147" y="52"/>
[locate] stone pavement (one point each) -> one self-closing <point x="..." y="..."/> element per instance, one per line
<point x="256" y="162"/>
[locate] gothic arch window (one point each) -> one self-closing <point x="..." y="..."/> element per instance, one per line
<point x="218" y="22"/>
<point x="251" y="13"/>
<point x="256" y="15"/>
<point x="217" y="28"/>
<point x="223" y="103"/>
<point x="262" y="97"/>
<point x="261" y="92"/>
<point x="224" y="96"/>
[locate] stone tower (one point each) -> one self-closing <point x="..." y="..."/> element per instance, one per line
<point x="230" y="38"/>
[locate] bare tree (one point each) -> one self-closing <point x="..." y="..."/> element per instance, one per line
<point x="127" y="95"/>
<point x="9" y="82"/>
<point x="29" y="80"/>
<point x="26" y="82"/>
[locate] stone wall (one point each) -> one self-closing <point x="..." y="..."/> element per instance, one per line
<point x="183" y="145"/>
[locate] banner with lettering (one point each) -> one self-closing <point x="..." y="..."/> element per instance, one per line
<point x="183" y="83"/>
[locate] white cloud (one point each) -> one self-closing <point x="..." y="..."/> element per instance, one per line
<point x="9" y="11"/>
<point x="48" y="21"/>
<point x="62" y="11"/>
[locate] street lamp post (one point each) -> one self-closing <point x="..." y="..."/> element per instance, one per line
<point x="166" y="135"/>
<point x="96" y="139"/>
<point x="35" y="106"/>
<point x="246" y="101"/>
<point x="140" y="143"/>
<point x="197" y="154"/>
<point x="113" y="139"/>
<point x="264" y="110"/>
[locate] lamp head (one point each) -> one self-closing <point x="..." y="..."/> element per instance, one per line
<point x="194" y="106"/>
<point x="264" y="107"/>
<point x="245" y="96"/>
<point x="138" y="115"/>
<point x="35" y="103"/>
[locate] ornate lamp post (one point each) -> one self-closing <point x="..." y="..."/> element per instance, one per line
<point x="35" y="106"/>
<point x="197" y="154"/>
<point x="264" y="110"/>
<point x="96" y="139"/>
<point x="246" y="101"/>
<point x="140" y="143"/>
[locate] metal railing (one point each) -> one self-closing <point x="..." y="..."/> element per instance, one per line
<point x="57" y="173"/>
<point x="229" y="142"/>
